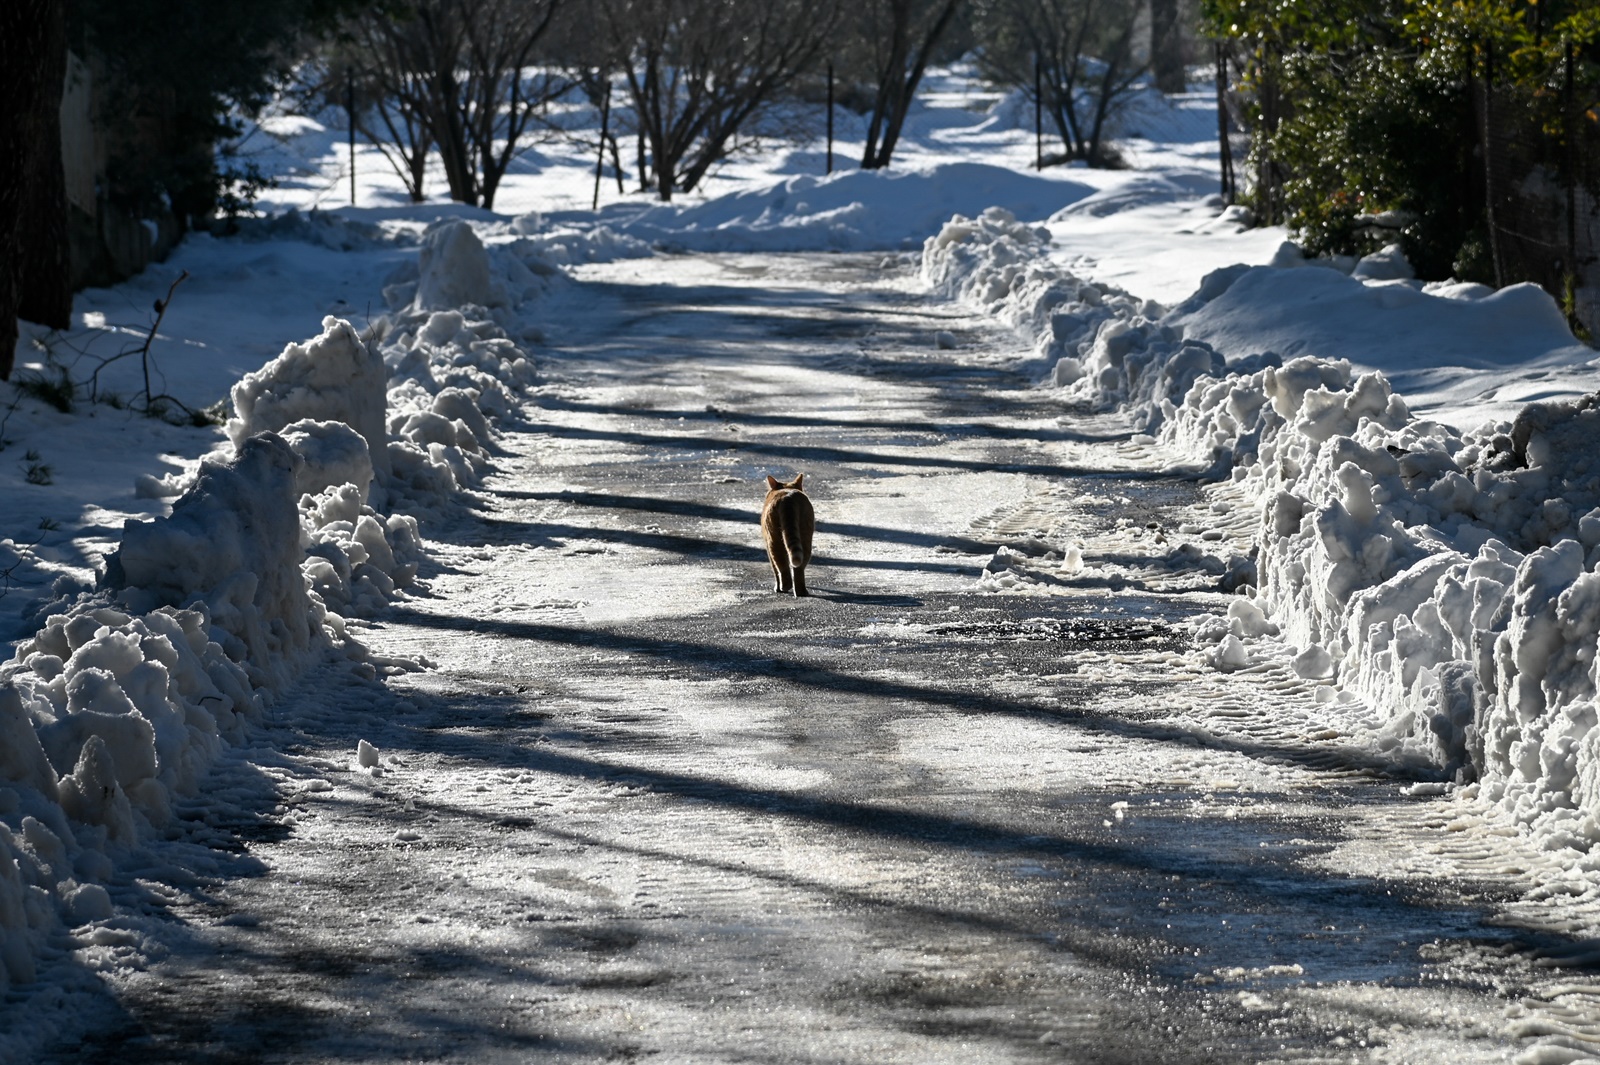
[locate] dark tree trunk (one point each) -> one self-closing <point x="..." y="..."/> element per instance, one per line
<point x="888" y="85"/>
<point x="665" y="177"/>
<point x="35" y="275"/>
<point x="1166" y="46"/>
<point x="898" y="88"/>
<point x="451" y="137"/>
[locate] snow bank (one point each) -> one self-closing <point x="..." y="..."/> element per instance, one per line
<point x="852" y="210"/>
<point x="123" y="699"/>
<point x="1106" y="346"/>
<point x="1450" y="580"/>
<point x="126" y="694"/>
<point x="454" y="371"/>
<point x="422" y="387"/>
<point x="335" y="376"/>
<point x="1442" y="346"/>
<point x="569" y="246"/>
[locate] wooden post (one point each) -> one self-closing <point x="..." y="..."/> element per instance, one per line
<point x="830" y="118"/>
<point x="605" y="129"/>
<point x="350" y="115"/>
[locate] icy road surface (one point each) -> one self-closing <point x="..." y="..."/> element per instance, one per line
<point x="643" y="809"/>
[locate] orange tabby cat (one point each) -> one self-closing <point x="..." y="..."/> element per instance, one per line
<point x="787" y="525"/>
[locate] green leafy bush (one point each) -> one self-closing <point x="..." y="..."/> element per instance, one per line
<point x="1367" y="122"/>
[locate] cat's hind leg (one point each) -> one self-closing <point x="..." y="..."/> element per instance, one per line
<point x="798" y="557"/>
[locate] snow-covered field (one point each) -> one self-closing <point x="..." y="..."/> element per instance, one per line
<point x="1427" y="542"/>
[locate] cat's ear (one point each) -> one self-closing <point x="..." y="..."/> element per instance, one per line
<point x="797" y="479"/>
<point x="772" y="483"/>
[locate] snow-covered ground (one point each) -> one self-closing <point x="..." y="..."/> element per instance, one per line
<point x="1436" y="572"/>
<point x="1427" y="545"/>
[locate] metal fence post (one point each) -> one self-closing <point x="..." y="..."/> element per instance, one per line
<point x="1038" y="113"/>
<point x="830" y="117"/>
<point x="1224" y="141"/>
<point x="605" y="129"/>
<point x="350" y="116"/>
<point x="1569" y="134"/>
<point x="1488" y="163"/>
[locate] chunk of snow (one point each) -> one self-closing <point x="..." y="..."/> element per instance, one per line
<point x="332" y="377"/>
<point x="1313" y="663"/>
<point x="454" y="269"/>
<point x="1389" y="264"/>
<point x="1230" y="655"/>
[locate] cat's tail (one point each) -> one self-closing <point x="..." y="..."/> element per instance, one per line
<point x="796" y="548"/>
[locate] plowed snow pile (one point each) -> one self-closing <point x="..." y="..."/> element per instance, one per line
<point x="128" y="692"/>
<point x="1449" y="578"/>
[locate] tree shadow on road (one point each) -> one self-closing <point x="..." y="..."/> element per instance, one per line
<point x="1201" y="870"/>
<point x="1040" y="433"/>
<point x="730" y="657"/>
<point x="793" y="452"/>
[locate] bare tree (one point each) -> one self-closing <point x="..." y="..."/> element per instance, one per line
<point x="455" y="75"/>
<point x="700" y="70"/>
<point x="35" y="277"/>
<point x="1078" y="52"/>
<point x="901" y="36"/>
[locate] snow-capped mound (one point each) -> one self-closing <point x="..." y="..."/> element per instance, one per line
<point x="1421" y="340"/>
<point x="332" y="377"/>
<point x="453" y="269"/>
<point x="331" y="454"/>
<point x="853" y="210"/>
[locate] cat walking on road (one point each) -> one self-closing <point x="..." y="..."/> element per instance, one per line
<point x="787" y="525"/>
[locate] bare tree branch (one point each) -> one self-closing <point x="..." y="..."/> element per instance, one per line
<point x="902" y="35"/>
<point x="698" y="71"/>
<point x="456" y="76"/>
